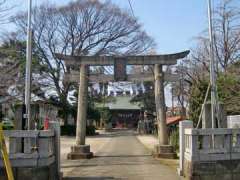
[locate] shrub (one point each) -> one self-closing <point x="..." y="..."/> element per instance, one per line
<point x="70" y="130"/>
<point x="91" y="130"/>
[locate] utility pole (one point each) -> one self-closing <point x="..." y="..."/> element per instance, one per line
<point x="183" y="112"/>
<point x="28" y="67"/>
<point x="172" y="111"/>
<point x="212" y="67"/>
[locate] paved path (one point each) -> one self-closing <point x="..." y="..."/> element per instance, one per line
<point x="121" y="157"/>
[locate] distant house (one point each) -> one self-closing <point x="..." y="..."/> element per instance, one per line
<point x="174" y="115"/>
<point x="175" y="111"/>
<point x="126" y="114"/>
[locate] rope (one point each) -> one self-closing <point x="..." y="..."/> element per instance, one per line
<point x="205" y="99"/>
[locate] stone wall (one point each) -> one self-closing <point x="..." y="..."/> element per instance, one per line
<point x="27" y="173"/>
<point x="34" y="154"/>
<point x="212" y="170"/>
<point x="233" y="121"/>
<point x="212" y="154"/>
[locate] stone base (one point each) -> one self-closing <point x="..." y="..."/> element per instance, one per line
<point x="80" y="152"/>
<point x="164" y="151"/>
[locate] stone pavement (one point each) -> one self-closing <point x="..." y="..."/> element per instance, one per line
<point x="119" y="155"/>
<point x="96" y="143"/>
<point x="149" y="141"/>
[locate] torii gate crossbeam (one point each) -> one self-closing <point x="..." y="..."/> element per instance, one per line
<point x="167" y="59"/>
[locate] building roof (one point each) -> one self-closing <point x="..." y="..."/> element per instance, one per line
<point x="174" y="120"/>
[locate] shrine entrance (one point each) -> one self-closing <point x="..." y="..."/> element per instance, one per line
<point x="81" y="150"/>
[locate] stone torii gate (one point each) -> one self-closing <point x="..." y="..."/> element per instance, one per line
<point x="81" y="150"/>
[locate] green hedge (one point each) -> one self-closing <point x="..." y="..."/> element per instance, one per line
<point x="91" y="130"/>
<point x="70" y="130"/>
<point x="174" y="139"/>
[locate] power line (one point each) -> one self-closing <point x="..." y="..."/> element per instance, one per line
<point x="130" y="4"/>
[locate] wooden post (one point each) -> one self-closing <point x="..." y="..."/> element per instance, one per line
<point x="82" y="106"/>
<point x="160" y="105"/>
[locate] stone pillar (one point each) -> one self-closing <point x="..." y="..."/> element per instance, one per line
<point x="182" y="126"/>
<point x="233" y="122"/>
<point x="163" y="149"/>
<point x="80" y="150"/>
<point x="18" y="121"/>
<point x="222" y="115"/>
<point x="19" y="124"/>
<point x="207" y="115"/>
<point x="1" y="112"/>
<point x="35" y="110"/>
<point x="57" y="132"/>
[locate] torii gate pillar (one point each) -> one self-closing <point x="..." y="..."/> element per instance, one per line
<point x="160" y="105"/>
<point x="163" y="149"/>
<point x="81" y="150"/>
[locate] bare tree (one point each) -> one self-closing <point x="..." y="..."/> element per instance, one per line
<point x="5" y="9"/>
<point x="81" y="28"/>
<point x="8" y="74"/>
<point x="226" y="38"/>
<point x="227" y="50"/>
<point x="8" y="67"/>
<point x="227" y="33"/>
<point x="12" y="70"/>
